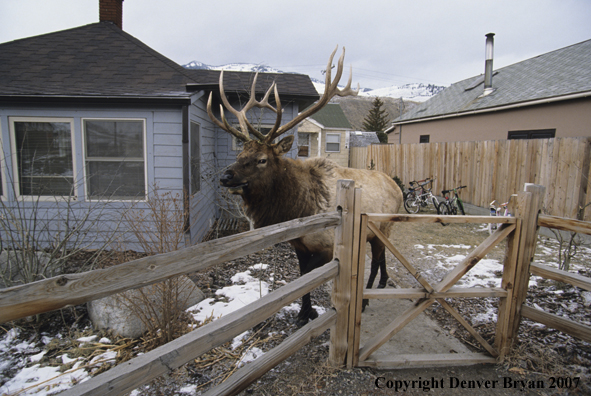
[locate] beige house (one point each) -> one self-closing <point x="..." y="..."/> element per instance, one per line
<point x="325" y="134"/>
<point x="543" y="97"/>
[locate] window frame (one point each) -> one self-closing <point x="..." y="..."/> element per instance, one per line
<point x="85" y="158"/>
<point x="195" y="184"/>
<point x="308" y="144"/>
<point x="424" y="138"/>
<point x="14" y="153"/>
<point x="326" y="143"/>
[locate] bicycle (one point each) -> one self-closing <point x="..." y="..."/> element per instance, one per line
<point x="418" y="196"/>
<point x="451" y="205"/>
<point x="496" y="211"/>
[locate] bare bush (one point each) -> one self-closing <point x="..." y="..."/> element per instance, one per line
<point x="40" y="237"/>
<point x="159" y="225"/>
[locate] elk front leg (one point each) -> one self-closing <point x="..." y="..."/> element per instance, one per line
<point x="308" y="262"/>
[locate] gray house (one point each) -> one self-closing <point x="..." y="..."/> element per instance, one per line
<point x="94" y="122"/>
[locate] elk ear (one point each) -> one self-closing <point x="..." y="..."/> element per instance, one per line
<point x="284" y="145"/>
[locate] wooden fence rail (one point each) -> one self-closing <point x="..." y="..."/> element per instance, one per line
<point x="551" y="320"/>
<point x="493" y="170"/>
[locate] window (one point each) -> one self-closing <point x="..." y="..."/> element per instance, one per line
<point x="195" y="158"/>
<point x="303" y="144"/>
<point x="532" y="134"/>
<point x="333" y="142"/>
<point x="424" y="139"/>
<point x="43" y="154"/>
<point x="114" y="159"/>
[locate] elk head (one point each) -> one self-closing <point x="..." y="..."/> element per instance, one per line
<point x="260" y="159"/>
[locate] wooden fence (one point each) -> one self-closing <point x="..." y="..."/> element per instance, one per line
<point x="493" y="170"/>
<point x="72" y="289"/>
<point x="346" y="269"/>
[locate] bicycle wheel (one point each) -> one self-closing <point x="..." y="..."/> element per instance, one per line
<point x="461" y="207"/>
<point x="412" y="205"/>
<point x="443" y="210"/>
<point x="435" y="204"/>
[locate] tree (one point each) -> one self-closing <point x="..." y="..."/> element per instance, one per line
<point x="377" y="120"/>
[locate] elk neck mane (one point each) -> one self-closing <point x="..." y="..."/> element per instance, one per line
<point x="298" y="189"/>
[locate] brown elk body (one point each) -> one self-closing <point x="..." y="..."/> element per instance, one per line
<point x="275" y="189"/>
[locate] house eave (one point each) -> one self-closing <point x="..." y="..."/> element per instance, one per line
<point x="91" y="99"/>
<point x="511" y="106"/>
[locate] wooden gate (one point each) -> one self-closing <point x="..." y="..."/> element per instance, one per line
<point x="520" y="231"/>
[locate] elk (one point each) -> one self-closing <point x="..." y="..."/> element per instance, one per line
<point x="276" y="189"/>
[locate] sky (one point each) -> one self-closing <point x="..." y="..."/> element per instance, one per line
<point x="388" y="42"/>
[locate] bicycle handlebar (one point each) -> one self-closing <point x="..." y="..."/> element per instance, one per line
<point x="444" y="192"/>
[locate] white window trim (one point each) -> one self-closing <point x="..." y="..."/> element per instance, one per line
<point x="327" y="142"/>
<point x="145" y="151"/>
<point x="16" y="180"/>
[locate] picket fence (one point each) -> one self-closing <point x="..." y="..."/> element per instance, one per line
<point x="493" y="169"/>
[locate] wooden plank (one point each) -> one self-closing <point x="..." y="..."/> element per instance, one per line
<point x="400" y="257"/>
<point x="159" y="361"/>
<point x="502" y="337"/>
<point x="562" y="276"/>
<point x="530" y="207"/>
<point x="454" y="292"/>
<point x="419" y="218"/>
<point x="429" y="360"/>
<point x="398" y="324"/>
<point x="250" y="372"/>
<point x="571" y="204"/>
<point x="474" y="257"/>
<point x="341" y="290"/>
<point x="74" y="289"/>
<point x="356" y="279"/>
<point x="565" y="224"/>
<point x="557" y="322"/>
<point x="468" y="327"/>
<point x="582" y="181"/>
<point x="360" y="284"/>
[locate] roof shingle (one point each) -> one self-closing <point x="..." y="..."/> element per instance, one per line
<point x="555" y="74"/>
<point x="102" y="60"/>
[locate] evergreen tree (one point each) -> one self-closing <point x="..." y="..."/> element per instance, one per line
<point x="377" y="120"/>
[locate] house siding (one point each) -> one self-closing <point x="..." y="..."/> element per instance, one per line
<point x="163" y="168"/>
<point x="202" y="204"/>
<point x="570" y="119"/>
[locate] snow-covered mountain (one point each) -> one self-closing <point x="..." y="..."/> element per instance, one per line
<point x="416" y="92"/>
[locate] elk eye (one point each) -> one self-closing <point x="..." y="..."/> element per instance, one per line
<point x="263" y="161"/>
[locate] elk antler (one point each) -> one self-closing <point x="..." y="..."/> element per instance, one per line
<point x="245" y="126"/>
<point x="330" y="90"/>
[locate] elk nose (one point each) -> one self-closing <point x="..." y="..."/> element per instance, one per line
<point x="226" y="177"/>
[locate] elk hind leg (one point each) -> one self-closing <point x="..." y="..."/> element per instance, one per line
<point x="378" y="261"/>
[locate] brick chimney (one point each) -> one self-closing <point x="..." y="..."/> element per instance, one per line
<point x="111" y="11"/>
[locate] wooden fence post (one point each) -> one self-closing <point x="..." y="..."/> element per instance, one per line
<point x="341" y="291"/>
<point x="520" y="252"/>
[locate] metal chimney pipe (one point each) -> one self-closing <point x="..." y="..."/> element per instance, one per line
<point x="488" y="66"/>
